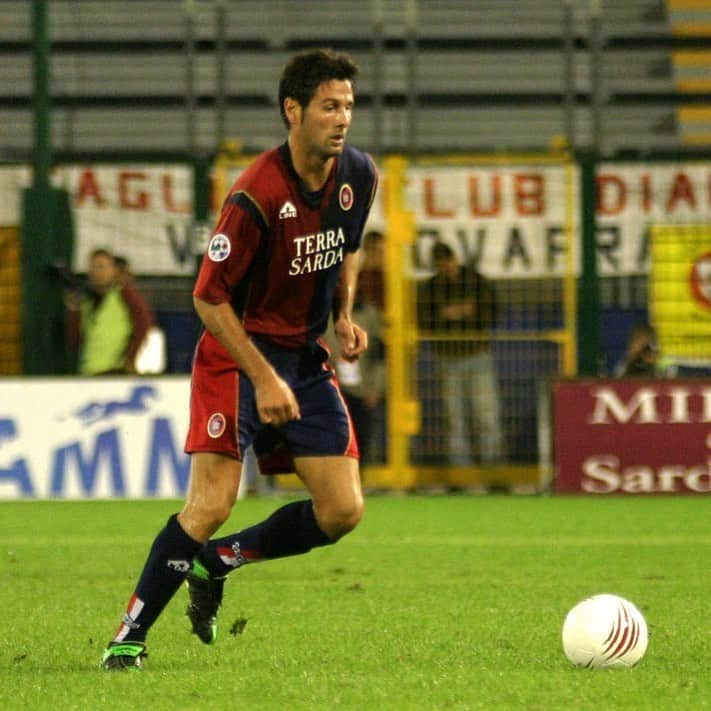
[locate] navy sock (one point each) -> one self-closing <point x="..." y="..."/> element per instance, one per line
<point x="290" y="530"/>
<point x="168" y="563"/>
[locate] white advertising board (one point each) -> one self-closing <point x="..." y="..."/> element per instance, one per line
<point x="81" y="438"/>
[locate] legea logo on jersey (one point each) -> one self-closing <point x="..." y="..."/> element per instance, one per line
<point x="287" y="210"/>
<point x="317" y="252"/>
<point x="219" y="248"/>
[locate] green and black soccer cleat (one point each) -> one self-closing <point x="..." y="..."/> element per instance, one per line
<point x="123" y="655"/>
<point x="205" y="598"/>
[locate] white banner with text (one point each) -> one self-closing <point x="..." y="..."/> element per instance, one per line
<point x="508" y="218"/>
<point x="93" y="438"/>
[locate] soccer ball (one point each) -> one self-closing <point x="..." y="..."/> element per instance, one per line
<point x="604" y="631"/>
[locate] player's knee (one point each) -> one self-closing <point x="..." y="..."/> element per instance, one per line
<point x="341" y="518"/>
<point x="203" y="521"/>
<point x="217" y="515"/>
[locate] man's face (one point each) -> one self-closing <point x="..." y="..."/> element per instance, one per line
<point x="325" y="121"/>
<point x="102" y="272"/>
<point x="375" y="253"/>
<point x="447" y="267"/>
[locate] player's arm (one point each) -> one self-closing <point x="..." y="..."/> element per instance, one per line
<point x="275" y="400"/>
<point x="351" y="337"/>
<point x="240" y="223"/>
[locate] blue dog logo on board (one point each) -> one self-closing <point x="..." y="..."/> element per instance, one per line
<point x="96" y="411"/>
<point x="8" y="430"/>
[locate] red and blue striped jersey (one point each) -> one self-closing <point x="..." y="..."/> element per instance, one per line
<point x="277" y="250"/>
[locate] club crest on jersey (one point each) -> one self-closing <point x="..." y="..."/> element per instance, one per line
<point x="345" y="197"/>
<point x="216" y="425"/>
<point x="219" y="248"/>
<point x="287" y="210"/>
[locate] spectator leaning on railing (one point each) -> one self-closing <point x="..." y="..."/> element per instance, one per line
<point x="109" y="321"/>
<point x="457" y="306"/>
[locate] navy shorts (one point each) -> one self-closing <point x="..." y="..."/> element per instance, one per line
<point x="224" y="419"/>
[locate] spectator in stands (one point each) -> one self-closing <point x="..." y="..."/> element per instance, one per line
<point x="109" y="321"/>
<point x="123" y="267"/>
<point x="457" y="307"/>
<point x="151" y="357"/>
<point x="641" y="355"/>
<point x="371" y="287"/>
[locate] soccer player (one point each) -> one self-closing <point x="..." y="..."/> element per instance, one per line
<point x="284" y="255"/>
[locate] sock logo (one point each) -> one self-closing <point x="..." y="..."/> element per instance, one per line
<point x="180" y="566"/>
<point x="129" y="622"/>
<point x="232" y="556"/>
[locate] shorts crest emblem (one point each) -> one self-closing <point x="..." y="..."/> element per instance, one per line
<point x="216" y="425"/>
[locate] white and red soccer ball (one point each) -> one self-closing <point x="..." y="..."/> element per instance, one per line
<point x="604" y="631"/>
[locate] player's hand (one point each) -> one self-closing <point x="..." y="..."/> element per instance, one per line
<point x="352" y="339"/>
<point x="276" y="402"/>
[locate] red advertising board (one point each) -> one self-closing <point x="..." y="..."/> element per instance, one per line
<point x="632" y="436"/>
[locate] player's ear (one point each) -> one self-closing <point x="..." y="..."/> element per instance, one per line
<point x="292" y="109"/>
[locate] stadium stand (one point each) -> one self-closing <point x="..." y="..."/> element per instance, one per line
<point x="690" y="23"/>
<point x="495" y="67"/>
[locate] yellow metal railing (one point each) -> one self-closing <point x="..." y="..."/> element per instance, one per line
<point x="403" y="413"/>
<point x="401" y="337"/>
<point x="10" y="300"/>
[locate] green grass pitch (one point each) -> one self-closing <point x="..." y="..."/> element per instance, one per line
<point x="432" y="603"/>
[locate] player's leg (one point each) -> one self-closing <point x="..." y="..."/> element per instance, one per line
<point x="336" y="494"/>
<point x="321" y="441"/>
<point x="214" y="483"/>
<point x="293" y="529"/>
<point x="326" y="460"/>
<point x="299" y="526"/>
<point x="212" y="491"/>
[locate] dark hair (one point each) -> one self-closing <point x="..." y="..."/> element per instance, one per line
<point x="643" y="330"/>
<point x="121" y="262"/>
<point x="306" y="71"/>
<point x="102" y="252"/>
<point x="441" y="251"/>
<point x="372" y="237"/>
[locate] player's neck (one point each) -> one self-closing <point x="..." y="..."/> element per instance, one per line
<point x="313" y="169"/>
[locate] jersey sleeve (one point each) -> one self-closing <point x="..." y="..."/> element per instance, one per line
<point x="231" y="249"/>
